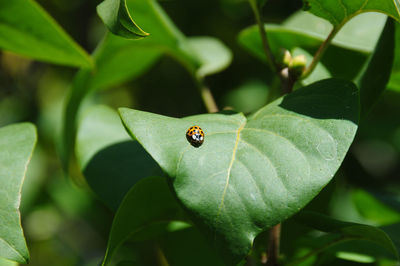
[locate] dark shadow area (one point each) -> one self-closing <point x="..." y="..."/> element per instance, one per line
<point x="115" y="169"/>
<point x="325" y="99"/>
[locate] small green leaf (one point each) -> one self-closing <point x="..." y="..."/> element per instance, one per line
<point x="346" y="231"/>
<point x="251" y="174"/>
<point x="116" y="17"/>
<point x="149" y="202"/>
<point x="110" y="161"/>
<point x="16" y="147"/>
<point x="213" y="55"/>
<point x="26" y="29"/>
<point x="376" y="74"/>
<point x="338" y="12"/>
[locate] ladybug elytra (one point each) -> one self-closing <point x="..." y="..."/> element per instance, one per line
<point x="195" y="136"/>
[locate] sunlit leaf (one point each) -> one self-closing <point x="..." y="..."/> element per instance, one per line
<point x="252" y="173"/>
<point x="16" y="147"/>
<point x="338" y="12"/>
<point x="26" y="29"/>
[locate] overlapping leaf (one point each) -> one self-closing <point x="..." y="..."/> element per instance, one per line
<point x="16" y="147"/>
<point x="25" y="28"/>
<point x="115" y="16"/>
<point x="110" y="161"/>
<point x="119" y="60"/>
<point x="338" y="12"/>
<point x="251" y="174"/>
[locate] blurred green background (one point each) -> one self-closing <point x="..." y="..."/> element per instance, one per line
<point x="64" y="222"/>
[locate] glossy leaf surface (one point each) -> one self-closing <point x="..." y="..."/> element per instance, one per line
<point x="252" y="173"/>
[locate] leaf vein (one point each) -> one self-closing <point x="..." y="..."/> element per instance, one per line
<point x="230" y="168"/>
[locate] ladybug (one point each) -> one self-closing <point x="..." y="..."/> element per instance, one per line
<point x="195" y="136"/>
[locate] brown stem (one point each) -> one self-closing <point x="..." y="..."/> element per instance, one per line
<point x="263" y="35"/>
<point x="207" y="97"/>
<point x="287" y="81"/>
<point x="320" y="52"/>
<point x="273" y="245"/>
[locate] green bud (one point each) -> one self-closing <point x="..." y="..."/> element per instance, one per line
<point x="297" y="65"/>
<point x="284" y="58"/>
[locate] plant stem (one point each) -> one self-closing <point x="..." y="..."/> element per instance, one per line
<point x="320" y="52"/>
<point x="207" y="97"/>
<point x="267" y="49"/>
<point x="273" y="245"/>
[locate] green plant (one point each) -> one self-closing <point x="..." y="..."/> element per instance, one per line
<point x="223" y="202"/>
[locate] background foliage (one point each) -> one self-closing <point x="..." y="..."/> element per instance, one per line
<point x="70" y="200"/>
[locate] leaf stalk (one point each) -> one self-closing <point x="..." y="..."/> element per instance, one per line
<point x="320" y="52"/>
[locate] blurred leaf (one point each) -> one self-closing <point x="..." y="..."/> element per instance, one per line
<point x="284" y="37"/>
<point x="361" y="33"/>
<point x="110" y="161"/>
<point x="115" y="16"/>
<point x="150" y="201"/>
<point x="374" y="210"/>
<point x="213" y="55"/>
<point x="25" y="28"/>
<point x="338" y="12"/>
<point x="117" y="60"/>
<point x="179" y="252"/>
<point x="4" y="262"/>
<point x="249" y="97"/>
<point x="16" y="147"/>
<point x="259" y="3"/>
<point x="376" y="74"/>
<point x="394" y="82"/>
<point x="340" y="231"/>
<point x="311" y="128"/>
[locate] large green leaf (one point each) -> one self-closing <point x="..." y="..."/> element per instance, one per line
<point x="149" y="202"/>
<point x="110" y="161"/>
<point x="375" y="76"/>
<point x="25" y="28"/>
<point x="338" y="12"/>
<point x="251" y="174"/>
<point x="16" y="146"/>
<point x="115" y="16"/>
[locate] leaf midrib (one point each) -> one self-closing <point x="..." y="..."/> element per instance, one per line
<point x="230" y="167"/>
